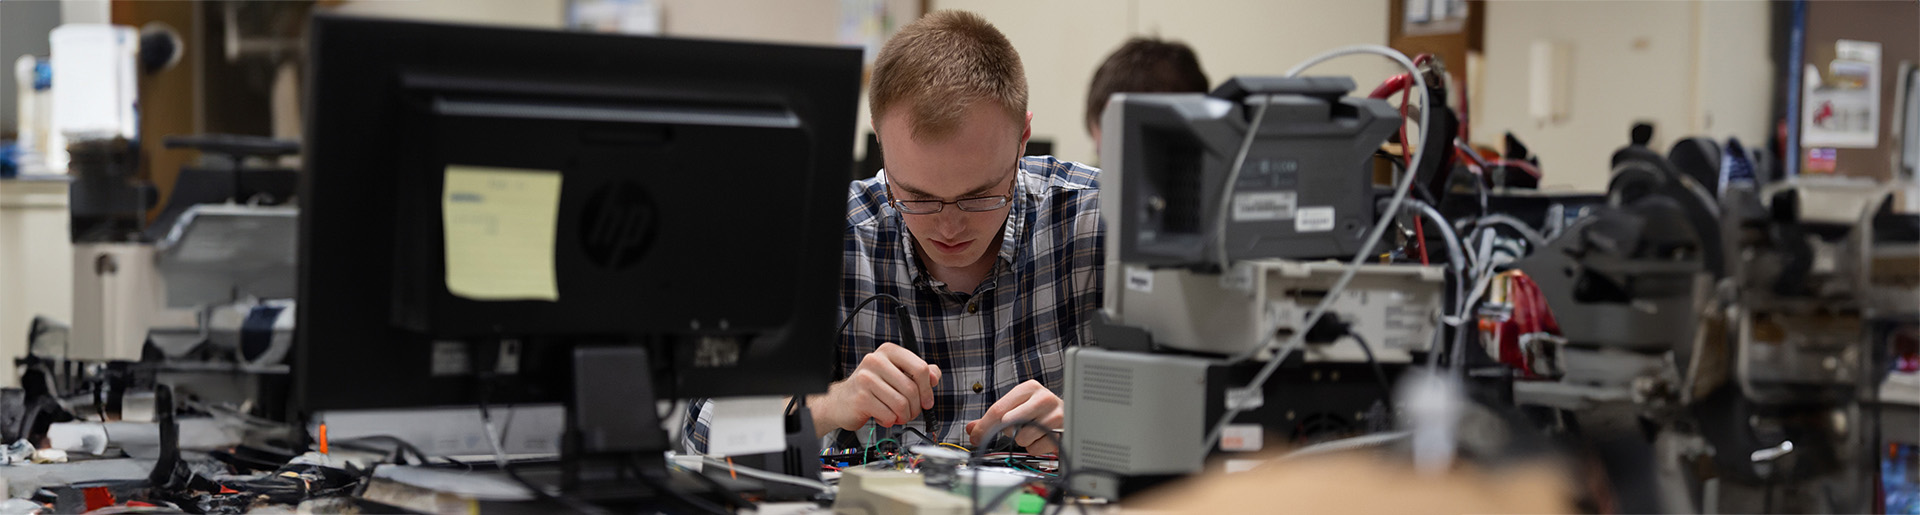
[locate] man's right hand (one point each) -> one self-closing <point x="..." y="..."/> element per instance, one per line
<point x="891" y="386"/>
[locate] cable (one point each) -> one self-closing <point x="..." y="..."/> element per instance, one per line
<point x="996" y="430"/>
<point x="565" y="500"/>
<point x="770" y="476"/>
<point x="907" y="339"/>
<point x="661" y="485"/>
<point x="1420" y="239"/>
<point x="1532" y="236"/>
<point x="1233" y="177"/>
<point x="1457" y="257"/>
<point x="1400" y="192"/>
<point x="1386" y="386"/>
<point x="923" y="436"/>
<point x="863" y="304"/>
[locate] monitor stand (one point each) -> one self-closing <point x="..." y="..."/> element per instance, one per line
<point x="613" y="440"/>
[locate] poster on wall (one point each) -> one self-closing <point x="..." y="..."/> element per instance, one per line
<point x="1843" y="110"/>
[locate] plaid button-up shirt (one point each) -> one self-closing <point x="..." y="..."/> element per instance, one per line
<point x="1040" y="299"/>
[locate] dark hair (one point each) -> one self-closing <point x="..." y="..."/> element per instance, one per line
<point x="1144" y="65"/>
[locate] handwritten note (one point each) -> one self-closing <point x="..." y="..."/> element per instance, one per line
<point x="499" y="232"/>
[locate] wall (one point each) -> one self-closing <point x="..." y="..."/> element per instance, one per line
<point x="1061" y="42"/>
<point x="36" y="263"/>
<point x="1690" y="68"/>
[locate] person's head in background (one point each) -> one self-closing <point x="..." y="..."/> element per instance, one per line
<point x="1142" y="65"/>
<point x="949" y="100"/>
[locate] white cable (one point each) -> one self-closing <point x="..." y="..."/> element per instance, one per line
<point x="493" y="440"/>
<point x="1465" y="315"/>
<point x="1401" y="189"/>
<point x="769" y="476"/>
<point x="1233" y="178"/>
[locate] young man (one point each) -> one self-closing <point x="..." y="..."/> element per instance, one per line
<point x="996" y="256"/>
<point x="1142" y="65"/>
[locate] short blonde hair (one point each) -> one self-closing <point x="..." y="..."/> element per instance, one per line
<point x="941" y="64"/>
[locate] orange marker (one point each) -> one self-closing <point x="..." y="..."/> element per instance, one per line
<point x="730" y="472"/>
<point x="323" y="439"/>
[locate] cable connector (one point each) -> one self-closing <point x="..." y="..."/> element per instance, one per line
<point x="1327" y="330"/>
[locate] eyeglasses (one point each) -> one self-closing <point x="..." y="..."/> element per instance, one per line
<point x="970" y="204"/>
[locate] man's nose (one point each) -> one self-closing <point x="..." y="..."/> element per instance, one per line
<point x="952" y="221"/>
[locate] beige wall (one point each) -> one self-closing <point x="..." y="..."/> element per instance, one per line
<point x="1062" y="41"/>
<point x="36" y="263"/>
<point x="1691" y="68"/>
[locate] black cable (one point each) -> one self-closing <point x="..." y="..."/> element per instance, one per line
<point x="660" y="485"/>
<point x="863" y="304"/>
<point x="907" y="339"/>
<point x="1766" y="502"/>
<point x="980" y="452"/>
<point x="1379" y="374"/>
<point x="569" y="501"/>
<point x="734" y="498"/>
<point x="923" y="436"/>
<point x="486" y="419"/>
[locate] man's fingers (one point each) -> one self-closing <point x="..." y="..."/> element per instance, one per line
<point x="894" y="403"/>
<point x="915" y="367"/>
<point x="998" y="411"/>
<point x="896" y="379"/>
<point x="1036" y="409"/>
<point x="933" y="378"/>
<point x="977" y="430"/>
<point x="866" y="407"/>
<point x="1034" y="439"/>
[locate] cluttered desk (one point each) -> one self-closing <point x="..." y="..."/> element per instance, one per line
<point x="494" y="287"/>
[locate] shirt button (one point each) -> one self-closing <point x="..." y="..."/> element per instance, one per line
<point x="973" y="308"/>
<point x="977" y="387"/>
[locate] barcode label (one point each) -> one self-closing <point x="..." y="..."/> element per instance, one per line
<point x="1264" y="205"/>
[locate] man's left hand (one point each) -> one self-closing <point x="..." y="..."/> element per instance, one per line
<point x="1028" y="401"/>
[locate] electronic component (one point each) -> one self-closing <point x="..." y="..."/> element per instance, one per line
<point x="1305" y="191"/>
<point x="1393" y="307"/>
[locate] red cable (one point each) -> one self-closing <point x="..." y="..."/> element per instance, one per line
<point x="1406" y="156"/>
<point x="1394" y="84"/>
<point x="1420" y="238"/>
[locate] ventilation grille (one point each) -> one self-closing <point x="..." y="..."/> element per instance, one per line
<point x="1107" y="383"/>
<point x="1103" y="455"/>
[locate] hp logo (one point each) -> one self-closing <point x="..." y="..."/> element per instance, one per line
<point x="618" y="224"/>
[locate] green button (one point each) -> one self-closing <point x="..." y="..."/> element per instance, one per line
<point x="1029" y="503"/>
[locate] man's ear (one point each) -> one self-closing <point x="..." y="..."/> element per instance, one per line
<point x="1026" y="133"/>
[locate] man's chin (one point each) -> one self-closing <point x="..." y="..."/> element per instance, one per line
<point x="954" y="261"/>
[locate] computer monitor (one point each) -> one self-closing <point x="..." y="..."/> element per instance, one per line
<point x="480" y="203"/>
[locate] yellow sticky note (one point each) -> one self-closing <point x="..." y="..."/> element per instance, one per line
<point x="499" y="227"/>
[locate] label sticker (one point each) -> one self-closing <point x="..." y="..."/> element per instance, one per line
<point x="1264" y="205"/>
<point x="1314" y="219"/>
<point x="450" y="359"/>
<point x="1140" y="280"/>
<point x="1241" y="438"/>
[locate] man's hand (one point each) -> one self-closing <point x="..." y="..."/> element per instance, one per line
<point x="1029" y="401"/>
<point x="891" y="386"/>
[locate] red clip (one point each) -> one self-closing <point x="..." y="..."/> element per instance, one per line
<point x="97" y="497"/>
